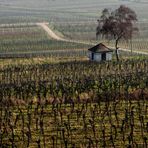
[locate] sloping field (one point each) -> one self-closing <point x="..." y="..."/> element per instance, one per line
<point x="21" y="41"/>
<point x="75" y="20"/>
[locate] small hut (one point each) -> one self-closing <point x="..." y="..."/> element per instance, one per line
<point x="100" y="53"/>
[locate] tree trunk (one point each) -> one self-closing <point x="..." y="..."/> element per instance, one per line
<point x="116" y="50"/>
<point x="131" y="46"/>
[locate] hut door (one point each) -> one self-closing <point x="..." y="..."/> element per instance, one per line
<point x="103" y="56"/>
<point x="92" y="56"/>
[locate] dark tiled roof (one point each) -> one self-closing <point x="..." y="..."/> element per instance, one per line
<point x="100" y="48"/>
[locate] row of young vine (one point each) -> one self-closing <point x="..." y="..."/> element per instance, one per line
<point x="75" y="104"/>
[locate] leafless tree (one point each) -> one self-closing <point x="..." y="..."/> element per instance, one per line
<point x="118" y="25"/>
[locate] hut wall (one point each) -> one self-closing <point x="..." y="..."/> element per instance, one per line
<point x="90" y="55"/>
<point x="97" y="57"/>
<point x="108" y="56"/>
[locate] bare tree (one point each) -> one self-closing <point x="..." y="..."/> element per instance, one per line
<point x="118" y="24"/>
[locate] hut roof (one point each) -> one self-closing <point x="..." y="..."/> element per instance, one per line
<point x="99" y="48"/>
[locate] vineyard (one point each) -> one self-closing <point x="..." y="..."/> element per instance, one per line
<point x="30" y="41"/>
<point x="52" y="96"/>
<point x="74" y="19"/>
<point x="75" y="104"/>
<point x="86" y="32"/>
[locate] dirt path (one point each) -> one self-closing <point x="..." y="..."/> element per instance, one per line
<point x="52" y="34"/>
<point x="137" y="52"/>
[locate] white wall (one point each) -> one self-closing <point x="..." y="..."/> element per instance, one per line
<point x="108" y="56"/>
<point x="97" y="57"/>
<point x="89" y="55"/>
